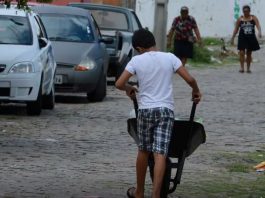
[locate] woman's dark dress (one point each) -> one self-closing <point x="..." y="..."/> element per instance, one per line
<point x="247" y="38"/>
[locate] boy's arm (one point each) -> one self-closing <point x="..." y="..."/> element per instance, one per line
<point x="122" y="84"/>
<point x="196" y="94"/>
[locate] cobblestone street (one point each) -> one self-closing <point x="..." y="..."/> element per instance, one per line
<point x="83" y="150"/>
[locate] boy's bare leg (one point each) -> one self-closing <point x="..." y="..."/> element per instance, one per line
<point x="249" y="59"/>
<point x="141" y="167"/>
<point x="242" y="60"/>
<point x="159" y="171"/>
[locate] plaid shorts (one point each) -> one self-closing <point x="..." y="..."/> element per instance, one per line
<point x="154" y="128"/>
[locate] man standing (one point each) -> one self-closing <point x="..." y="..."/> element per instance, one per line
<point x="181" y="31"/>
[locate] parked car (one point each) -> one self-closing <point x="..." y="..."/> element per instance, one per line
<point x="118" y="23"/>
<point x="27" y="64"/>
<point x="79" y="49"/>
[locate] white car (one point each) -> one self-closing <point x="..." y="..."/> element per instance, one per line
<point x="27" y="64"/>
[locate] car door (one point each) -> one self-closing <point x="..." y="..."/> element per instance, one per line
<point x="46" y="56"/>
<point x="102" y="46"/>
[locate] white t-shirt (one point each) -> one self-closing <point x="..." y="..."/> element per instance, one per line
<point x="154" y="71"/>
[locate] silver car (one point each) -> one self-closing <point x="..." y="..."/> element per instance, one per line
<point x="80" y="52"/>
<point x="27" y="64"/>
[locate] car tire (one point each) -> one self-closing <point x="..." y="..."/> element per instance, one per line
<point x="34" y="107"/>
<point x="101" y="90"/>
<point x="49" y="100"/>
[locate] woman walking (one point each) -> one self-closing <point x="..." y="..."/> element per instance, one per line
<point x="247" y="41"/>
<point x="184" y="26"/>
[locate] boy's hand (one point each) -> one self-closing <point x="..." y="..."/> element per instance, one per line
<point x="196" y="96"/>
<point x="131" y="91"/>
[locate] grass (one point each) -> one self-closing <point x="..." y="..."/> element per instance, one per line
<point x="212" y="41"/>
<point x="233" y="178"/>
<point x="210" y="53"/>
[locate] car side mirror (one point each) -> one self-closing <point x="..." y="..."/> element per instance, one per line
<point x="107" y="40"/>
<point x="43" y="42"/>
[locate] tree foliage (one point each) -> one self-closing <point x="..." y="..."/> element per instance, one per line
<point x="23" y="4"/>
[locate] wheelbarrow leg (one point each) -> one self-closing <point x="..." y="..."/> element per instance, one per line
<point x="181" y="162"/>
<point x="179" y="167"/>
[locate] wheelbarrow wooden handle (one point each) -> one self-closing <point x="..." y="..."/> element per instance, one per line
<point x="192" y="113"/>
<point x="135" y="104"/>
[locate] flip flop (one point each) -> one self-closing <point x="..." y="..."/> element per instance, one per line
<point x="241" y="71"/>
<point x="248" y="71"/>
<point x="130" y="192"/>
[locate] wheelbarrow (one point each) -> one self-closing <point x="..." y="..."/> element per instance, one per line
<point x="187" y="135"/>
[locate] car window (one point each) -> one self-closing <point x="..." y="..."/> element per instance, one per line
<point x="136" y="22"/>
<point x="41" y="26"/>
<point x="38" y="29"/>
<point x="68" y="28"/>
<point x="110" y="20"/>
<point x="96" y="27"/>
<point x="15" y="30"/>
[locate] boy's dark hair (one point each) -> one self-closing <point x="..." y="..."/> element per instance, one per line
<point x="143" y="38"/>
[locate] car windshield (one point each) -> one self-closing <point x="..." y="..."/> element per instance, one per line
<point x="68" y="28"/>
<point x="107" y="19"/>
<point x="15" y="30"/>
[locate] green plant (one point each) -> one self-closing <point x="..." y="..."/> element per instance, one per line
<point x="212" y="41"/>
<point x="201" y="54"/>
<point x="239" y="167"/>
<point x="23" y="4"/>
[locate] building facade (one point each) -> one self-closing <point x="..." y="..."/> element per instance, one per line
<point x="215" y="18"/>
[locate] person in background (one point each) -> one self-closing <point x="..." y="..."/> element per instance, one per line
<point x="154" y="71"/>
<point x="247" y="40"/>
<point x="182" y="32"/>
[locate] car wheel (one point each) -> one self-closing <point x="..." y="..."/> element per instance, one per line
<point x="101" y="90"/>
<point x="49" y="100"/>
<point x="34" y="108"/>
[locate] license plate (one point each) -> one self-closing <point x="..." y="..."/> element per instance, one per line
<point x="58" y="79"/>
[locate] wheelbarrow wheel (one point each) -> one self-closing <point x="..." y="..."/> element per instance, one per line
<point x="167" y="176"/>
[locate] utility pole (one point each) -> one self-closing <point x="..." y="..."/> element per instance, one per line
<point x="160" y="23"/>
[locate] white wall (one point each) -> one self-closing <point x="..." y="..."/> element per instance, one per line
<point x="215" y="18"/>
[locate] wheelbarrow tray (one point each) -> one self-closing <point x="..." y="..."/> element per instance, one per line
<point x="186" y="136"/>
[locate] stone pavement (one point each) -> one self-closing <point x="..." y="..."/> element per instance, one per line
<point x="82" y="149"/>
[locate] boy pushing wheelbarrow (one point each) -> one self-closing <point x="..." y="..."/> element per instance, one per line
<point x="154" y="71"/>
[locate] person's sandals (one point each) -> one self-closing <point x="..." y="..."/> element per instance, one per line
<point x="249" y="71"/>
<point x="241" y="71"/>
<point x="131" y="192"/>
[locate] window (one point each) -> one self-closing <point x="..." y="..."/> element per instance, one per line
<point x="109" y="19"/>
<point x="136" y="22"/>
<point x="41" y="26"/>
<point x="15" y="30"/>
<point x="68" y="28"/>
<point x="38" y="29"/>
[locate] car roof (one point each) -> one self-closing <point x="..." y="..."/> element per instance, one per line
<point x="12" y="11"/>
<point x="102" y="6"/>
<point x="60" y="10"/>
